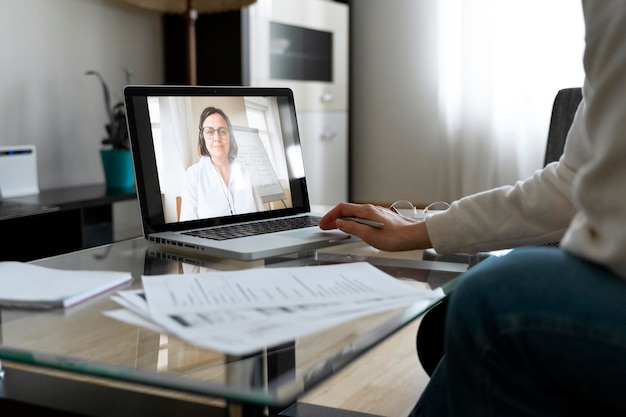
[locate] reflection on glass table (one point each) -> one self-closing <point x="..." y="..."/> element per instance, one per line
<point x="83" y="341"/>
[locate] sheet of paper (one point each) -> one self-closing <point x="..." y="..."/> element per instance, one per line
<point x="32" y="286"/>
<point x="240" y="312"/>
<point x="270" y="287"/>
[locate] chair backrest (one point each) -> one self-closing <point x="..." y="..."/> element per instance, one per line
<point x="565" y="104"/>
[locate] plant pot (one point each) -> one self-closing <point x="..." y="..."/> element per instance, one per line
<point x="118" y="169"/>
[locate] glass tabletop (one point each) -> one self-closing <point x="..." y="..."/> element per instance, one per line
<point x="82" y="340"/>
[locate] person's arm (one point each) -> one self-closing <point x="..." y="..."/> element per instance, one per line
<point x="531" y="212"/>
<point x="247" y="196"/>
<point x="535" y="211"/>
<point x="396" y="234"/>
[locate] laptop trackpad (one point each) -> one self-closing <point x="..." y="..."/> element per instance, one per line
<point x="308" y="235"/>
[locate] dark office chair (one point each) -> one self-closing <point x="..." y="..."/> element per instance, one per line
<point x="429" y="340"/>
<point x="563" y="110"/>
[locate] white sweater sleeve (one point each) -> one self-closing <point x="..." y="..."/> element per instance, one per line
<point x="582" y="198"/>
<point x="535" y="211"/>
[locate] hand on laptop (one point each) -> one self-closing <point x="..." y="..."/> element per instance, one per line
<point x="397" y="233"/>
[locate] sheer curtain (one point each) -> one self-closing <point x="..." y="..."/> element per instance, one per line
<point x="501" y="63"/>
<point x="178" y="148"/>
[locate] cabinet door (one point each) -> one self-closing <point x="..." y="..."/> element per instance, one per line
<point x="324" y="137"/>
<point x="302" y="45"/>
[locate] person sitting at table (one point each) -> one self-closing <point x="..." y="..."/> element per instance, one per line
<point x="540" y="331"/>
<point x="217" y="185"/>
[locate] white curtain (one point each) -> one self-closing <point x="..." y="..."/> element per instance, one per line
<point x="501" y="63"/>
<point x="178" y="148"/>
<point x="180" y="136"/>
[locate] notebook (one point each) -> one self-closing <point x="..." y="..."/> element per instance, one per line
<point x="31" y="286"/>
<point x="190" y="198"/>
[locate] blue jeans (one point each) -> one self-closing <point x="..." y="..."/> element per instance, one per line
<point x="537" y="332"/>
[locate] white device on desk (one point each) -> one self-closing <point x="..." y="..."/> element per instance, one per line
<point x="18" y="171"/>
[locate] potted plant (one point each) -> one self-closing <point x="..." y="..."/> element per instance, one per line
<point x="116" y="157"/>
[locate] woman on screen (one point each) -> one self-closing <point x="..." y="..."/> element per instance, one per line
<point x="217" y="185"/>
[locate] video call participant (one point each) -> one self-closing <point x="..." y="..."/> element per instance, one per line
<point x="217" y="185"/>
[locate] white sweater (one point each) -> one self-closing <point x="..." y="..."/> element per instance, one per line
<point x="580" y="200"/>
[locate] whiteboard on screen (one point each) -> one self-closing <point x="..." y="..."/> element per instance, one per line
<point x="253" y="156"/>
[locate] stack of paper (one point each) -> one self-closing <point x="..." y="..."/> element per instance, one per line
<point x="239" y="312"/>
<point x="25" y="285"/>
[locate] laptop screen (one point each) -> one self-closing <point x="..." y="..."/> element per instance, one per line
<point x="214" y="155"/>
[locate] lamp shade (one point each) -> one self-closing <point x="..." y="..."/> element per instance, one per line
<point x="182" y="6"/>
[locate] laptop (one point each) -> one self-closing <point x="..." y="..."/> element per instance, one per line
<point x="256" y="208"/>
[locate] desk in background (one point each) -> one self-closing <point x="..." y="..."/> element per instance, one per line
<point x="74" y="218"/>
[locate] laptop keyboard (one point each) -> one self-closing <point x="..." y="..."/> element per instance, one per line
<point x="256" y="228"/>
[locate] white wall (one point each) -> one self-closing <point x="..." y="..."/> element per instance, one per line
<point x="45" y="99"/>
<point x="393" y="106"/>
<point x="451" y="97"/>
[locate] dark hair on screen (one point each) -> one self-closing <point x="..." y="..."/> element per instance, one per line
<point x="233" y="148"/>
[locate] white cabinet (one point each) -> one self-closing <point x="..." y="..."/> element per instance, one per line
<point x="324" y="138"/>
<point x="303" y="45"/>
